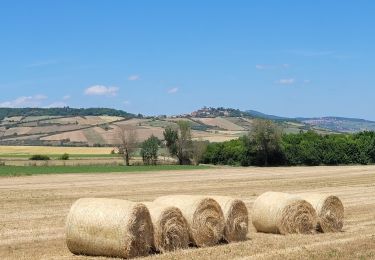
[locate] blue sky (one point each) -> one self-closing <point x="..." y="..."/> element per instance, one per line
<point x="289" y="58"/>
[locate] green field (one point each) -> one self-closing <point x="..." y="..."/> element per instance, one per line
<point x="33" y="170"/>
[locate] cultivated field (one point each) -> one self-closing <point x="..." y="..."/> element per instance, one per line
<point x="9" y="150"/>
<point x="33" y="209"/>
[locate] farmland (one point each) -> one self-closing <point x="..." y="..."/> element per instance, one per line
<point x="102" y="130"/>
<point x="34" y="209"/>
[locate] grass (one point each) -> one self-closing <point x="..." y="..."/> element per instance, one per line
<point x="53" y="150"/>
<point x="34" y="170"/>
<point x="55" y="156"/>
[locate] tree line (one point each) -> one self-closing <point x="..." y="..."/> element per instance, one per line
<point x="178" y="141"/>
<point x="265" y="145"/>
<point x="62" y="111"/>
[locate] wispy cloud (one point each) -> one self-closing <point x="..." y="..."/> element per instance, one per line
<point x="268" y="66"/>
<point x="134" y="77"/>
<point x="306" y="81"/>
<point x="99" y="90"/>
<point x="126" y="103"/>
<point x="57" y="104"/>
<point x="172" y="90"/>
<point x="24" y="101"/>
<point x="66" y="97"/>
<point x="261" y="67"/>
<point x="311" y="53"/>
<point x="289" y="81"/>
<point x="42" y="63"/>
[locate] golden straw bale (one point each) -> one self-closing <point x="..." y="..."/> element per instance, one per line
<point x="329" y="209"/>
<point x="109" y="227"/>
<point x="236" y="218"/>
<point x="171" y="230"/>
<point x="203" y="214"/>
<point x="282" y="213"/>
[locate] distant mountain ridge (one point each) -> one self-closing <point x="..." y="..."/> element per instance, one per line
<point x="333" y="123"/>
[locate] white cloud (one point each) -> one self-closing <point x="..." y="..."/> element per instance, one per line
<point x="99" y="90"/>
<point x="172" y="90"/>
<point x="126" y="102"/>
<point x="66" y="97"/>
<point x="57" y="104"/>
<point x="42" y="63"/>
<point x="286" y="81"/>
<point x="134" y="77"/>
<point x="260" y="67"/>
<point x="24" y="101"/>
<point x="306" y="81"/>
<point x="269" y="67"/>
<point x="311" y="53"/>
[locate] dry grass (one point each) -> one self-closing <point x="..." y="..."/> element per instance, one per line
<point x="221" y="123"/>
<point x="34" y="208"/>
<point x="53" y="150"/>
<point x="74" y="136"/>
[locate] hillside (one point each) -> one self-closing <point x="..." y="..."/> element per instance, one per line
<point x="331" y="123"/>
<point x="99" y="126"/>
<point x="64" y="111"/>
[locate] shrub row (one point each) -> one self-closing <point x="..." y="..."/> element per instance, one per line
<point x="309" y="148"/>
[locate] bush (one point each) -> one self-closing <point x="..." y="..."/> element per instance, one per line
<point x="39" y="157"/>
<point x="65" y="156"/>
<point x="307" y="148"/>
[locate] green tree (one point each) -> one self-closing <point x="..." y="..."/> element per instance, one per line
<point x="179" y="142"/>
<point x="199" y="148"/>
<point x="265" y="139"/>
<point x="149" y="150"/>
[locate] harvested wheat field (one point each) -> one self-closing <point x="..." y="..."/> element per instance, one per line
<point x="34" y="209"/>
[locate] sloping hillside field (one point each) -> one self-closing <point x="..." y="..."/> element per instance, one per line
<point x="34" y="209"/>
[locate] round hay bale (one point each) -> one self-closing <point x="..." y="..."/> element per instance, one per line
<point x="109" y="227"/>
<point x="236" y="218"/>
<point x="329" y="209"/>
<point x="282" y="213"/>
<point x="171" y="230"/>
<point x="204" y="216"/>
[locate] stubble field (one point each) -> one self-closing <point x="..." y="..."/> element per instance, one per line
<point x="33" y="209"/>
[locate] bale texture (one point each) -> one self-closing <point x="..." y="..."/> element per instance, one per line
<point x="204" y="216"/>
<point x="329" y="209"/>
<point x="282" y="213"/>
<point x="171" y="230"/>
<point x="109" y="227"/>
<point x="236" y="218"/>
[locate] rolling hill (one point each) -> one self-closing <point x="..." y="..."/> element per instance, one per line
<point x="332" y="123"/>
<point x="99" y="126"/>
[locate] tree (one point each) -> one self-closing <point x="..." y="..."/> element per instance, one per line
<point x="149" y="150"/>
<point x="179" y="142"/>
<point x="127" y="142"/>
<point x="199" y="148"/>
<point x="266" y="139"/>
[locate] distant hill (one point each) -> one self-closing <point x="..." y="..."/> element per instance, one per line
<point x="258" y="114"/>
<point x="340" y="124"/>
<point x="64" y="111"/>
<point x="335" y="124"/>
<point x="99" y="126"/>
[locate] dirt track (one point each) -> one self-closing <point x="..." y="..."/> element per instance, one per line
<point x="33" y="209"/>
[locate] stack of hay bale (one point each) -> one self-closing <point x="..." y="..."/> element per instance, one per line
<point x="283" y="213"/>
<point x="120" y="228"/>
